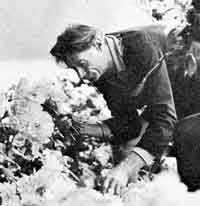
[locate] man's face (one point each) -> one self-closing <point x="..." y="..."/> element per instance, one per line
<point x="91" y="63"/>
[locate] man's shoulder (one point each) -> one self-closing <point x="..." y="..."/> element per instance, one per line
<point x="133" y="35"/>
<point x="136" y="41"/>
<point x="155" y="34"/>
<point x="151" y="29"/>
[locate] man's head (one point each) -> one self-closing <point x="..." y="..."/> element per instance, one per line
<point x="83" y="48"/>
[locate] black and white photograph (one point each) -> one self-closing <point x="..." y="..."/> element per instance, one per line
<point x="99" y="102"/>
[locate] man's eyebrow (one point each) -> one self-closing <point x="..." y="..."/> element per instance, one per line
<point x="82" y="61"/>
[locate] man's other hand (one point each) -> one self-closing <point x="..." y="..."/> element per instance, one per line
<point x="127" y="171"/>
<point x="99" y="130"/>
<point x="115" y="180"/>
<point x="87" y="129"/>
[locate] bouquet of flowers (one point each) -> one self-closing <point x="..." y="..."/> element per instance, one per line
<point x="45" y="161"/>
<point x="32" y="137"/>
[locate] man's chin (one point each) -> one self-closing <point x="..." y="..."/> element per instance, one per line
<point x="91" y="79"/>
<point x="94" y="76"/>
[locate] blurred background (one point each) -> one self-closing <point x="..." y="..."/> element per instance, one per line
<point x="28" y="28"/>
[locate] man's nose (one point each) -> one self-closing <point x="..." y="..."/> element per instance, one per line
<point x="81" y="72"/>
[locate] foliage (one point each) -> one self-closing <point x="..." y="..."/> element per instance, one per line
<point x="38" y="150"/>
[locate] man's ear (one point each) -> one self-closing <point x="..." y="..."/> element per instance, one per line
<point x="99" y="41"/>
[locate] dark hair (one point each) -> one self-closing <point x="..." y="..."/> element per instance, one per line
<point x="75" y="38"/>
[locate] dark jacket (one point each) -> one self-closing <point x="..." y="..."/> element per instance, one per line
<point x="186" y="90"/>
<point x="186" y="94"/>
<point x="139" y="56"/>
<point x="155" y="31"/>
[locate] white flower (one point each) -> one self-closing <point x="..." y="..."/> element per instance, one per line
<point x="53" y="160"/>
<point x="68" y="75"/>
<point x="8" y="195"/>
<point x="103" y="154"/>
<point x="59" y="188"/>
<point x="89" y="197"/>
<point x="4" y="105"/>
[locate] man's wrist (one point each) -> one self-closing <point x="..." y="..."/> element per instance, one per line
<point x="101" y="128"/>
<point x="132" y="164"/>
<point x="144" y="155"/>
<point x="105" y="131"/>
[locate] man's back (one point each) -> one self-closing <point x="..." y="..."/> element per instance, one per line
<point x="156" y="31"/>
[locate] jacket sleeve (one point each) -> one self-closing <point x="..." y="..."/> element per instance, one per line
<point x="123" y="128"/>
<point x="160" y="111"/>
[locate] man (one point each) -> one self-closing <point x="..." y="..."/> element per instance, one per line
<point x="169" y="41"/>
<point x="127" y="71"/>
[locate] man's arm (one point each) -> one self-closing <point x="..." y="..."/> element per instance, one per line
<point x="160" y="112"/>
<point x="141" y="56"/>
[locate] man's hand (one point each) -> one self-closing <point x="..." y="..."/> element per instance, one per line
<point x="126" y="171"/>
<point x="115" y="181"/>
<point x="87" y="129"/>
<point x="99" y="130"/>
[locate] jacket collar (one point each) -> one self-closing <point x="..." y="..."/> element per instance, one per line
<point x="116" y="50"/>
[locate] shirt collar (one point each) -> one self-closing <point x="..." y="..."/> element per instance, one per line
<point x="116" y="49"/>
